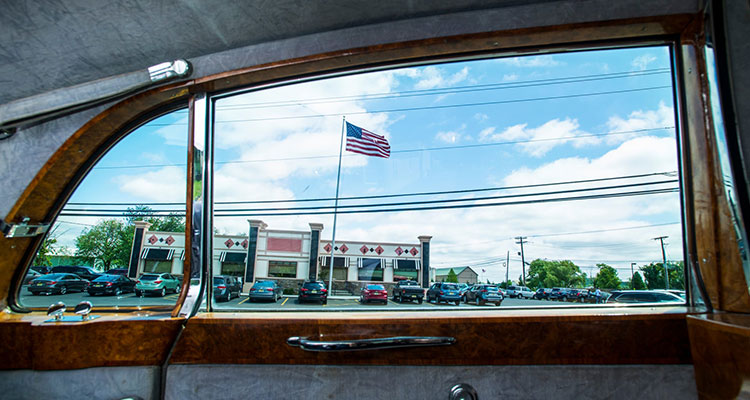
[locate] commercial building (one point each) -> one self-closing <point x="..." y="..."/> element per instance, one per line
<point x="288" y="257"/>
<point x="464" y="274"/>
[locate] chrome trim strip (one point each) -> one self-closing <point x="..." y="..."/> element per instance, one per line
<point x="370" y="344"/>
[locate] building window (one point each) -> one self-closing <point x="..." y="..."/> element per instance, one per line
<point x="371" y="269"/>
<point x="405" y="270"/>
<point x="339" y="268"/>
<point x="282" y="269"/>
<point x="158" y="260"/>
<point x="233" y="263"/>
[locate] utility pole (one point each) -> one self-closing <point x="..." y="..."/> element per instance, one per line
<point x="664" y="258"/>
<point x="523" y="262"/>
<point x="632" y="274"/>
<point x="507" y="265"/>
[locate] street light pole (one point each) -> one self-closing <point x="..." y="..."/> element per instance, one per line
<point x="523" y="262"/>
<point x="664" y="258"/>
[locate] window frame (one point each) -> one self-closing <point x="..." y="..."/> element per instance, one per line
<point x="385" y="58"/>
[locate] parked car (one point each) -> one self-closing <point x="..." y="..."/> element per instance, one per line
<point x="680" y="293"/>
<point x="262" y="290"/>
<point x="111" y="284"/>
<point x="57" y="283"/>
<point x="481" y="294"/>
<point x="41" y="269"/>
<point x="542" y="294"/>
<point x="117" y="271"/>
<point x="462" y="288"/>
<point x="447" y="292"/>
<point x="643" y="296"/>
<point x="408" y="290"/>
<point x="373" y="292"/>
<point x="30" y="276"/>
<point x="155" y="283"/>
<point x="83" y="271"/>
<point x="519" y="291"/>
<point x="313" y="291"/>
<point x="579" y="295"/>
<point x="561" y="294"/>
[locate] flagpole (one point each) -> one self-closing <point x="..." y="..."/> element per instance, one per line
<point x="335" y="208"/>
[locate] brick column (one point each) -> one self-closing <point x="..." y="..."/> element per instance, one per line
<point x="425" y="242"/>
<point x="252" y="252"/>
<point x="315" y="230"/>
<point x="135" y="251"/>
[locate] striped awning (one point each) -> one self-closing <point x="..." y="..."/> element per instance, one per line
<point x="157" y="254"/>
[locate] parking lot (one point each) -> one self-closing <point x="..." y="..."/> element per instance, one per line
<point x="286" y="303"/>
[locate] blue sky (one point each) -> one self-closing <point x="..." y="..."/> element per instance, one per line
<point x="557" y="128"/>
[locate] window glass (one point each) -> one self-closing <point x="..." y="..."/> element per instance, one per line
<point x="282" y="269"/>
<point x="544" y="171"/>
<point x="126" y="216"/>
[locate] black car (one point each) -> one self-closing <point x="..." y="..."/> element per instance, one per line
<point x="265" y="290"/>
<point x="83" y="271"/>
<point x="481" y="294"/>
<point x="447" y="292"/>
<point x="313" y="291"/>
<point x="542" y="294"/>
<point x="57" y="283"/>
<point x="117" y="271"/>
<point x="408" y="290"/>
<point x="111" y="284"/>
<point x="561" y="294"/>
<point x="41" y="269"/>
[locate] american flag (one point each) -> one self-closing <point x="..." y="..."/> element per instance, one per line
<point x="362" y="141"/>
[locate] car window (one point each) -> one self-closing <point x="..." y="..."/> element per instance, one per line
<point x="573" y="154"/>
<point x="127" y="214"/>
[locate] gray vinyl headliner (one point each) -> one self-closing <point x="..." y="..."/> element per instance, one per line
<point x="51" y="44"/>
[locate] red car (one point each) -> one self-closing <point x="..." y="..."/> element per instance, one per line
<point x="373" y="292"/>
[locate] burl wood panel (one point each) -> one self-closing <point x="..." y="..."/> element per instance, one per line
<point x="515" y="340"/>
<point x="109" y="341"/>
<point x="43" y="198"/>
<point x="721" y="355"/>
<point x="714" y="246"/>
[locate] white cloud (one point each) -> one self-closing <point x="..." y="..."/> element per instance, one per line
<point x="544" y="137"/>
<point x="531" y="62"/>
<point x="641" y="62"/>
<point x="481" y="117"/>
<point x="510" y="77"/>
<point x="165" y="185"/>
<point x="435" y="77"/>
<point x="453" y="136"/>
<point x="662" y="117"/>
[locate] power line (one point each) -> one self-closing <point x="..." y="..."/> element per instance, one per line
<point x="441" y="148"/>
<point x="443" y="91"/>
<point x="479" y="104"/>
<point x="462" y="191"/>
<point x="217" y="212"/>
<point x="460" y="206"/>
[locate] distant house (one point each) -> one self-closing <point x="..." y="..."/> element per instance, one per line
<point x="464" y="274"/>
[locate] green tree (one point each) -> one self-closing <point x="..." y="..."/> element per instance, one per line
<point x="106" y="242"/>
<point x="48" y="247"/>
<point x="451" y="277"/>
<point x="606" y="278"/>
<point x="637" y="282"/>
<point x="110" y="241"/>
<point x="545" y="273"/>
<point x="654" y="274"/>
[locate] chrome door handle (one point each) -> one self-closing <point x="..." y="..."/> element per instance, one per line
<point x="369" y="344"/>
